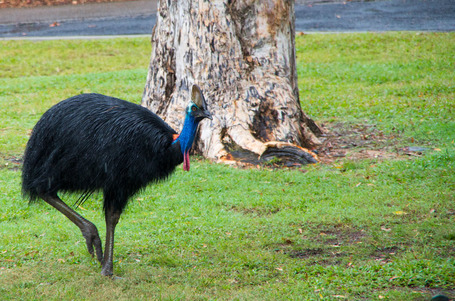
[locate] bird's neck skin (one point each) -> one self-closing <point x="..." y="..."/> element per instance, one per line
<point x="186" y="139"/>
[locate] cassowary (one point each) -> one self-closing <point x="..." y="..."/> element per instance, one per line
<point x="93" y="142"/>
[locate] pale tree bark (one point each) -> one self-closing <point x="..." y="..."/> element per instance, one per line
<point x="242" y="55"/>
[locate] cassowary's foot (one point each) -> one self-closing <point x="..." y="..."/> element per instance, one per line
<point x="93" y="241"/>
<point x="107" y="269"/>
<point x="88" y="229"/>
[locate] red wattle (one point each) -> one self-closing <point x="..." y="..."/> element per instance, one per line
<point x="186" y="161"/>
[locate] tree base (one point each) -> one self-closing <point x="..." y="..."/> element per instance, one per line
<point x="275" y="153"/>
<point x="242" y="55"/>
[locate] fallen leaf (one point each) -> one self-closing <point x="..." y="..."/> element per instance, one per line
<point x="386" y="229"/>
<point x="399" y="212"/>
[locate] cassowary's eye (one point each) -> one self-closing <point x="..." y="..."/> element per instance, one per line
<point x="193" y="108"/>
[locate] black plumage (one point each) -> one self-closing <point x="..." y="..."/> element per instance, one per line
<point x="92" y="141"/>
<point x="95" y="142"/>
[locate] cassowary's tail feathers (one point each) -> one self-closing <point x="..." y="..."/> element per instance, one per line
<point x="81" y="200"/>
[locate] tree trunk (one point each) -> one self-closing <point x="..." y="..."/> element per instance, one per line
<point x="242" y="55"/>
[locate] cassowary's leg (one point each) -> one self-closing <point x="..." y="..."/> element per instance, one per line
<point x="88" y="229"/>
<point x="112" y="218"/>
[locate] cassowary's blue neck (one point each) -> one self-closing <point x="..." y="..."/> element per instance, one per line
<point x="186" y="137"/>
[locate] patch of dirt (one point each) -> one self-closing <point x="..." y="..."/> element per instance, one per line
<point x="386" y="254"/>
<point x="318" y="256"/>
<point x="327" y="240"/>
<point x="255" y="211"/>
<point x="305" y="253"/>
<point x="363" y="141"/>
<point x="356" y="142"/>
<point x="341" y="236"/>
<point x="34" y="3"/>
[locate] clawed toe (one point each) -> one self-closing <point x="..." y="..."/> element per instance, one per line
<point x="93" y="242"/>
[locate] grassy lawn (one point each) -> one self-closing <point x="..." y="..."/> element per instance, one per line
<point x="354" y="229"/>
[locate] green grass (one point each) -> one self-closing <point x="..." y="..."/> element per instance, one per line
<point x="352" y="230"/>
<point x="401" y="82"/>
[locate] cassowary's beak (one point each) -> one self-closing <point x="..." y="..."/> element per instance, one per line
<point x="203" y="112"/>
<point x="206" y="114"/>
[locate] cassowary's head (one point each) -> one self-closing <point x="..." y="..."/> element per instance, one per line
<point x="197" y="108"/>
<point x="195" y="112"/>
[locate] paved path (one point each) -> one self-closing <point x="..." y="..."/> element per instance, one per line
<point x="94" y="19"/>
<point x="138" y="17"/>
<point x="392" y="15"/>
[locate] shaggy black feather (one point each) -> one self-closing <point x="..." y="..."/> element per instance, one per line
<point x="95" y="142"/>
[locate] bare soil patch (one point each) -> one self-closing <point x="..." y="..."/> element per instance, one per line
<point x="328" y="240"/>
<point x="356" y="142"/>
<point x="341" y="236"/>
<point x="256" y="212"/>
<point x="306" y="253"/>
<point x="386" y="254"/>
<point x="363" y="141"/>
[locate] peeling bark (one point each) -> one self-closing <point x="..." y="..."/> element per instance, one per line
<point x="242" y="55"/>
